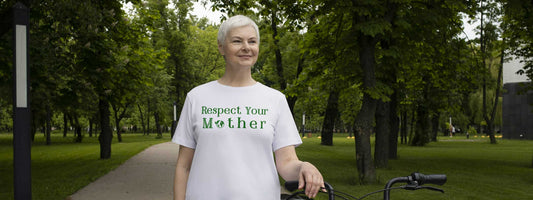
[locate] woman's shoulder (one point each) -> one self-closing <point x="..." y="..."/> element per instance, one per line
<point x="201" y="88"/>
<point x="271" y="91"/>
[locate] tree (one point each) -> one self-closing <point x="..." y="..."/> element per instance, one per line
<point x="104" y="47"/>
<point x="367" y="39"/>
<point x="427" y="70"/>
<point x="488" y="35"/>
<point x="518" y="20"/>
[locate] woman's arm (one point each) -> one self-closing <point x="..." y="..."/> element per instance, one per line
<point x="183" y="167"/>
<point x="291" y="168"/>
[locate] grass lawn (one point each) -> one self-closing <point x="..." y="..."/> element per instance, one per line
<point x="64" y="167"/>
<point x="475" y="168"/>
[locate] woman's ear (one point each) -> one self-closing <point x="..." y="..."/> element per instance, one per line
<point x="220" y="49"/>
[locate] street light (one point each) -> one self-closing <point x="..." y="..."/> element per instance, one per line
<point x="303" y="124"/>
<point x="22" y="114"/>
<point x="174" y="124"/>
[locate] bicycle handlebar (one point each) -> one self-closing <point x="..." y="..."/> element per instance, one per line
<point x="415" y="179"/>
<point x="291" y="185"/>
<point x="437" y="179"/>
<point x="414" y="182"/>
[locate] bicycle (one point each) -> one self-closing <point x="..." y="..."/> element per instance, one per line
<point x="414" y="182"/>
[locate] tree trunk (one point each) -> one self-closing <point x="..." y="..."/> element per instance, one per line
<point x="48" y="130"/>
<point x="77" y="129"/>
<point x="423" y="120"/>
<point x="106" y="134"/>
<point x="148" y="119"/>
<point x="72" y="125"/>
<point x="118" y="118"/>
<point x="277" y="51"/>
<point x="381" y="149"/>
<point x="364" y="120"/>
<point x="65" y="124"/>
<point x="75" y="123"/>
<point x="422" y="126"/>
<point x="488" y="120"/>
<point x="157" y="125"/>
<point x="404" y="130"/>
<point x="394" y="126"/>
<point x="291" y="100"/>
<point x="91" y="127"/>
<point x="329" y="120"/>
<point x="496" y="98"/>
<point x="412" y="126"/>
<point x="435" y="126"/>
<point x="96" y="127"/>
<point x="363" y="129"/>
<point x="142" y="119"/>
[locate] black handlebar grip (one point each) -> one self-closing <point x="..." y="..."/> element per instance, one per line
<point x="291" y="185"/>
<point x="437" y="179"/>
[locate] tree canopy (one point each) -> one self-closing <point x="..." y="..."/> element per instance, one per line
<point x="387" y="69"/>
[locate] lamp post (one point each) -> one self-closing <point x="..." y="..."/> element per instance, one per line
<point x="22" y="114"/>
<point x="303" y="124"/>
<point x="174" y="124"/>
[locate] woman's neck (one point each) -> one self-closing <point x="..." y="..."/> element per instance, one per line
<point x="240" y="78"/>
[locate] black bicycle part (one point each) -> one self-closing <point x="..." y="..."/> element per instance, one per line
<point x="415" y="181"/>
<point x="293" y="185"/>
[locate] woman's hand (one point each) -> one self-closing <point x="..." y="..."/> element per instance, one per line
<point x="291" y="168"/>
<point x="311" y="179"/>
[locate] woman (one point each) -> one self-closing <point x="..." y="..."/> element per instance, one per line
<point x="229" y="128"/>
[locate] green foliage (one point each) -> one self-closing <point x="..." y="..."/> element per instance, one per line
<point x="206" y="62"/>
<point x="471" y="130"/>
<point x="350" y="103"/>
<point x="464" y="162"/>
<point x="65" y="167"/>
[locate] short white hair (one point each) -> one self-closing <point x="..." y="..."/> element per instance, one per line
<point x="235" y="22"/>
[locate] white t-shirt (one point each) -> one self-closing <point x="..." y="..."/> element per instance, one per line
<point x="234" y="131"/>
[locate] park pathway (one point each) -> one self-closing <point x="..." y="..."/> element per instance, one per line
<point x="148" y="175"/>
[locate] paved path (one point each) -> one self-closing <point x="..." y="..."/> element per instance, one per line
<point x="148" y="175"/>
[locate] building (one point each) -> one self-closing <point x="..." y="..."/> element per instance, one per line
<point x="517" y="111"/>
<point x="517" y="108"/>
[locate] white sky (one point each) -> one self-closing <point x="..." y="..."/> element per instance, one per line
<point x="509" y="72"/>
<point x="200" y="11"/>
<point x="469" y="29"/>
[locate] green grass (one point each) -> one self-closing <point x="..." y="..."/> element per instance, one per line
<point x="475" y="168"/>
<point x="60" y="169"/>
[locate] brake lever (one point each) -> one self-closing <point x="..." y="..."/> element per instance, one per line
<point x="432" y="188"/>
<point x="411" y="187"/>
<point x="416" y="187"/>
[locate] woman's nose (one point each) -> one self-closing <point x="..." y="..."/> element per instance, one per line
<point x="245" y="46"/>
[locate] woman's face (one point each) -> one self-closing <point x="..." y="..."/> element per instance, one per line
<point x="240" y="47"/>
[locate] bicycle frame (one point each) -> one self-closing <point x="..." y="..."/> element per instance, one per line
<point x="414" y="182"/>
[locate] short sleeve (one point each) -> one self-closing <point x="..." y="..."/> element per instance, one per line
<point x="184" y="134"/>
<point x="285" y="130"/>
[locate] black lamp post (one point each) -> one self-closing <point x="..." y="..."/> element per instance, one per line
<point x="22" y="114"/>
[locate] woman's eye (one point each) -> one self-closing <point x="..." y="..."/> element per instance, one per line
<point x="236" y="41"/>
